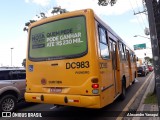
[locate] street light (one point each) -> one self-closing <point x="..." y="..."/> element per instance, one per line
<point x="141" y="36"/>
<point x="11" y="56"/>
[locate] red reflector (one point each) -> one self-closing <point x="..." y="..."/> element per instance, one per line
<point x="76" y="100"/>
<point x="86" y="91"/>
<point x="95" y="85"/>
<point x="33" y="97"/>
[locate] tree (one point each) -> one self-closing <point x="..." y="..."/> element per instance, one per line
<point x="24" y="63"/>
<point x="148" y="60"/>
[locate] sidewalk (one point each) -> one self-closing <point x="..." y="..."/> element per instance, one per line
<point x="141" y="109"/>
<point x="148" y="107"/>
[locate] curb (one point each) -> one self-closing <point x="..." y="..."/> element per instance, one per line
<point x="148" y="107"/>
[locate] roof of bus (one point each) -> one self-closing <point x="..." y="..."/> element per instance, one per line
<point x="82" y="11"/>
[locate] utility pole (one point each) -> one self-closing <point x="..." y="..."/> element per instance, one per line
<point x="155" y="47"/>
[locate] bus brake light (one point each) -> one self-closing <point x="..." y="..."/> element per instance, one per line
<point x="95" y="86"/>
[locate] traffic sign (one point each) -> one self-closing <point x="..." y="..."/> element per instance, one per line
<point x="140" y="46"/>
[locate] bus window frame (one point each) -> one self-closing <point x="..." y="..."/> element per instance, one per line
<point x="111" y="41"/>
<point x="122" y="50"/>
<point x="99" y="26"/>
<point x="58" y="57"/>
<point x="132" y="56"/>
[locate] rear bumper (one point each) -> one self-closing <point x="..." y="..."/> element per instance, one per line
<point x="68" y="100"/>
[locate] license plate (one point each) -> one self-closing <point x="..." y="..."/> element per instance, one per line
<point x="56" y="90"/>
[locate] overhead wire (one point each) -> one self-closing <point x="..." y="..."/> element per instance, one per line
<point x="136" y="16"/>
<point x="140" y="14"/>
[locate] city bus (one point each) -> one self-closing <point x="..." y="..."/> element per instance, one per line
<point x="75" y="59"/>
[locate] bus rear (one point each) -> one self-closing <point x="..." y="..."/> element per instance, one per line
<point x="62" y="62"/>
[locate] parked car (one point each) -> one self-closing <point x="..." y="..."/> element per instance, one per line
<point x="142" y="70"/>
<point x="12" y="87"/>
<point x="150" y="68"/>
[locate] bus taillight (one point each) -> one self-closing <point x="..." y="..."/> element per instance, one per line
<point x="94" y="80"/>
<point x="95" y="91"/>
<point x="95" y="86"/>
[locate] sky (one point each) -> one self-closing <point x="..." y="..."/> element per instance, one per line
<point x="15" y="13"/>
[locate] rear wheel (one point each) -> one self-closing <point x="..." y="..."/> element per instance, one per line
<point x="123" y="94"/>
<point x="133" y="81"/>
<point x="135" y="75"/>
<point x="8" y="103"/>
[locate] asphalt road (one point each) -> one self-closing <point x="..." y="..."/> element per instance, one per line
<point x="66" y="112"/>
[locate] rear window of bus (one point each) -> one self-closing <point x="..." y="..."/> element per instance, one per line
<point x="64" y="38"/>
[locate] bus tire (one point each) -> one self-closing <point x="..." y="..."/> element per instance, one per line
<point x="123" y="94"/>
<point x="135" y="75"/>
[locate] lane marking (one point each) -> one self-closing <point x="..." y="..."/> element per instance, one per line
<point x="133" y="98"/>
<point x="53" y="107"/>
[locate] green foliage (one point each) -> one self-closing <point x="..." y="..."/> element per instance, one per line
<point x="151" y="99"/>
<point x="24" y="63"/>
<point x="148" y="59"/>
